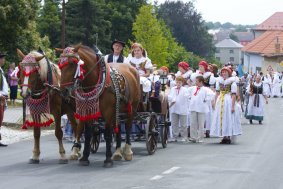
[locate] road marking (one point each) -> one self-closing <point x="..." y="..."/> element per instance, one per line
<point x="156" y="177"/>
<point x="171" y="170"/>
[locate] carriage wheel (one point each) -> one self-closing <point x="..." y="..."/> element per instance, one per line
<point x="164" y="135"/>
<point x="164" y="129"/>
<point x="94" y="143"/>
<point x="151" y="134"/>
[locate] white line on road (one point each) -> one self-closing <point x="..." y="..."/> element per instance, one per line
<point x="171" y="170"/>
<point x="156" y="177"/>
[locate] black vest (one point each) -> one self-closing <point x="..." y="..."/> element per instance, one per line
<point x="258" y="89"/>
<point x="120" y="59"/>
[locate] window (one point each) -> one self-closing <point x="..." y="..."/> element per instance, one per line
<point x="231" y="59"/>
<point x="231" y="51"/>
<point x="218" y="58"/>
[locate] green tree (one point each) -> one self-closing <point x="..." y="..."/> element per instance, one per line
<point x="187" y="27"/>
<point x="147" y="31"/>
<point x="122" y="15"/>
<point x="18" y="27"/>
<point x="85" y="20"/>
<point x="48" y="21"/>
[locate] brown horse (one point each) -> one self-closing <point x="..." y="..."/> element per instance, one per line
<point x="33" y="75"/>
<point x="107" y="99"/>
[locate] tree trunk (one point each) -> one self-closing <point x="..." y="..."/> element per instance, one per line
<point x="63" y="25"/>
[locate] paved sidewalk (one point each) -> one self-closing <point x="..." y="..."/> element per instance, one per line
<point x="13" y="116"/>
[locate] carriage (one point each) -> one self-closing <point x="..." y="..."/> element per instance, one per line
<point x="150" y="123"/>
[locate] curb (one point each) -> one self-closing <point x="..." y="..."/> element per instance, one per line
<point x="8" y="124"/>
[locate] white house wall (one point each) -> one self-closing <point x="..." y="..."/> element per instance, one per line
<point x="252" y="62"/>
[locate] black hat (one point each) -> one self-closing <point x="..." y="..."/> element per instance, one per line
<point x="2" y="55"/>
<point x="117" y="41"/>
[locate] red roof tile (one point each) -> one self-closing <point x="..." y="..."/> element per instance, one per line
<point x="275" y="22"/>
<point x="265" y="43"/>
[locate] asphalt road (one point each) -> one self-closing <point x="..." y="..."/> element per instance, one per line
<point x="254" y="162"/>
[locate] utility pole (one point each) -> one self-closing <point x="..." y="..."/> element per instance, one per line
<point x="63" y="25"/>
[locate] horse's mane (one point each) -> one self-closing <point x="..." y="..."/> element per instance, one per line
<point x="44" y="69"/>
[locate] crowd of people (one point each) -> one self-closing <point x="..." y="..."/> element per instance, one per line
<point x="206" y="102"/>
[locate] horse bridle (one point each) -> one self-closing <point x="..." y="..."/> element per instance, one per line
<point x="35" y="69"/>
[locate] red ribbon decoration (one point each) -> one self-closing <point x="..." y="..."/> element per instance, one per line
<point x="75" y="60"/>
<point x="198" y="88"/>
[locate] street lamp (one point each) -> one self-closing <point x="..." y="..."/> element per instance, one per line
<point x="163" y="79"/>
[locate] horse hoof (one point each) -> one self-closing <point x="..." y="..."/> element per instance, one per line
<point x="117" y="157"/>
<point x="33" y="161"/>
<point x="74" y="157"/>
<point x="128" y="157"/>
<point x="63" y="161"/>
<point x="84" y="162"/>
<point x="108" y="164"/>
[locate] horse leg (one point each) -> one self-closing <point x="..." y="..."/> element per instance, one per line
<point x="88" y="134"/>
<point x="36" y="148"/>
<point x="117" y="156"/>
<point x="59" y="136"/>
<point x="108" y="138"/>
<point x="78" y="129"/>
<point x="127" y="151"/>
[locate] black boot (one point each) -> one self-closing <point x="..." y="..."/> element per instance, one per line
<point x="3" y="145"/>
<point x="207" y="134"/>
<point x="251" y="121"/>
<point x="260" y="122"/>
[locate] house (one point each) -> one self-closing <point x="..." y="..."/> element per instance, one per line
<point x="275" y="22"/>
<point x="244" y="37"/>
<point x="265" y="53"/>
<point x="228" y="50"/>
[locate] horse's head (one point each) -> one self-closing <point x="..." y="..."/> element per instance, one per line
<point x="29" y="71"/>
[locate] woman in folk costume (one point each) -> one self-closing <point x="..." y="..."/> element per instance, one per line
<point x="257" y="99"/>
<point x="267" y="84"/>
<point x="184" y="71"/>
<point x="276" y="85"/>
<point x="142" y="63"/>
<point x="178" y="100"/>
<point x="223" y="120"/>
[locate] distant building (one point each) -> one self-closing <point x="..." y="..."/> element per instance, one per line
<point x="273" y="23"/>
<point x="228" y="50"/>
<point x="265" y="53"/>
<point x="244" y="37"/>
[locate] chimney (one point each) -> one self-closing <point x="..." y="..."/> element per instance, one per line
<point x="277" y="45"/>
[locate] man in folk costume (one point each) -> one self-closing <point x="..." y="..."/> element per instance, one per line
<point x="209" y="82"/>
<point x="178" y="101"/>
<point x="117" y="53"/>
<point x="3" y="93"/>
<point x="200" y="97"/>
<point x="257" y="99"/>
<point x="224" y="120"/>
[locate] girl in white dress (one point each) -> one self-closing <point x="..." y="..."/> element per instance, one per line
<point x="142" y="63"/>
<point x="223" y="120"/>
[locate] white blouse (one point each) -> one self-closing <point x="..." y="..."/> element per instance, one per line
<point x="200" y="99"/>
<point x="179" y="100"/>
<point x="141" y="64"/>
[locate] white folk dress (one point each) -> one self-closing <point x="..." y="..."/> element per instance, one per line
<point x="142" y="64"/>
<point x="223" y="120"/>
<point x="255" y="109"/>
<point x="276" y="87"/>
<point x="267" y="85"/>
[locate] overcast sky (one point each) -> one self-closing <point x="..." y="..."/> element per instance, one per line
<point x="237" y="11"/>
